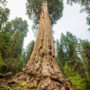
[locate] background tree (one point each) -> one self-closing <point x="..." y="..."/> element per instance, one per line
<point x="4" y="43"/>
<point x="73" y="59"/>
<point x="4" y="13"/>
<point x="26" y="53"/>
<point x="10" y="46"/>
<point x="19" y="24"/>
<point x="85" y="50"/>
<point x="65" y="44"/>
<point x="29" y="50"/>
<point x="20" y="28"/>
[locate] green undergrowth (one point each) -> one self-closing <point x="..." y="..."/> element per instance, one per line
<point x="1" y="62"/>
<point x="77" y="81"/>
<point x="21" y="86"/>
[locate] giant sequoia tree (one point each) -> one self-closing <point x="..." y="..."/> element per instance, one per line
<point x="42" y="71"/>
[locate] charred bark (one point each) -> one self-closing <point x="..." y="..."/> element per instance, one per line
<point x="42" y="71"/>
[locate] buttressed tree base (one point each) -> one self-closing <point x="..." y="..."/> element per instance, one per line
<point x="42" y="71"/>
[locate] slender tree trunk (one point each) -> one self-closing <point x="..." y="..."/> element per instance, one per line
<point x="42" y="71"/>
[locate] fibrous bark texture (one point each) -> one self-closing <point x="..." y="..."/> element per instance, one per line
<point x="42" y="71"/>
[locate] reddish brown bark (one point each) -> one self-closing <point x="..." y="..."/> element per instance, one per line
<point x="42" y="70"/>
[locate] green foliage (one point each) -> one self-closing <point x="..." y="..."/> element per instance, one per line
<point x="19" y="24"/>
<point x="63" y="48"/>
<point x="11" y="42"/>
<point x="77" y="81"/>
<point x="14" y="65"/>
<point x="13" y="55"/>
<point x="34" y="10"/>
<point x="1" y="63"/>
<point x="4" y="13"/>
<point x="16" y="88"/>
<point x="12" y="34"/>
<point x="7" y="88"/>
<point x="23" y="83"/>
<point x="85" y="53"/>
<point x="74" y="60"/>
<point x="8" y="28"/>
<point x="26" y="54"/>
<point x="86" y="48"/>
<point x="82" y="2"/>
<point x="15" y="47"/>
<point x="4" y="42"/>
<point x="30" y="49"/>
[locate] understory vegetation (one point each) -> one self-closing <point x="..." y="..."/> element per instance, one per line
<point x="73" y="54"/>
<point x="12" y="34"/>
<point x="74" y="60"/>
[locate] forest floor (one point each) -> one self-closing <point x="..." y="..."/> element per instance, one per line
<point x="2" y="83"/>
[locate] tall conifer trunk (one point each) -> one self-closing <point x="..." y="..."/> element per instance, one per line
<point x="42" y="71"/>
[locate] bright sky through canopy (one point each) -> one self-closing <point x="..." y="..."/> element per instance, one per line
<point x="72" y="20"/>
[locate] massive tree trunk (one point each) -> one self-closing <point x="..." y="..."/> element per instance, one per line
<point x="42" y="71"/>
